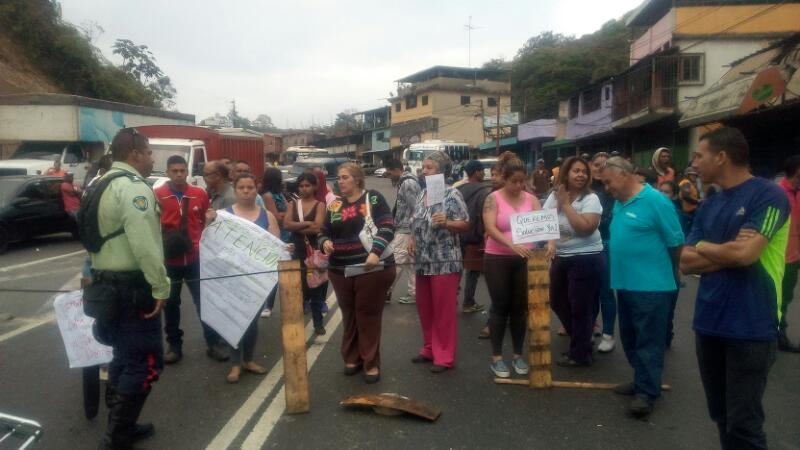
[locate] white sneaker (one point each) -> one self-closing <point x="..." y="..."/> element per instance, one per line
<point x="606" y="343"/>
<point x="266" y="313"/>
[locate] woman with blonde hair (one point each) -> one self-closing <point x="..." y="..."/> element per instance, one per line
<point x="360" y="297"/>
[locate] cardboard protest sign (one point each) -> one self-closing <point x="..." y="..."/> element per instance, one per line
<point x="535" y="226"/>
<point x="231" y="245"/>
<point x="434" y="184"/>
<point x="83" y="350"/>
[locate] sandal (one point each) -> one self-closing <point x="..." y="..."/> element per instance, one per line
<point x="254" y="368"/>
<point x="234" y="374"/>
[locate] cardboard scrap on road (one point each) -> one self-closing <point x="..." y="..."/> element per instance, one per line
<point x="393" y="404"/>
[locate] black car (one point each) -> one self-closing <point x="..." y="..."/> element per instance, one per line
<point x="31" y="206"/>
<point x="329" y="165"/>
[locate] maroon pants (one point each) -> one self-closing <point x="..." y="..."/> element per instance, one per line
<point x="361" y="299"/>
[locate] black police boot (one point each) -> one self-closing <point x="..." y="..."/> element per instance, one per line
<point x="121" y="431"/>
<point x="118" y="430"/>
<point x="140" y="430"/>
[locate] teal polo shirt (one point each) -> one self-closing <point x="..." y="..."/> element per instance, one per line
<point x="642" y="230"/>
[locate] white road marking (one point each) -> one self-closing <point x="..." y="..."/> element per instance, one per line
<point x="236" y="424"/>
<point x="39" y="320"/>
<point x="266" y="423"/>
<point x="26" y="275"/>
<point x="41" y="261"/>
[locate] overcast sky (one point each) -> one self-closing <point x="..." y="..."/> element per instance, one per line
<point x="300" y="60"/>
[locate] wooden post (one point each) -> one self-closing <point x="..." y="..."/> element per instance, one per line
<point x="295" y="367"/>
<point x="540" y="375"/>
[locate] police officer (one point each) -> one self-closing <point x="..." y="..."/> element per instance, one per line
<point x="131" y="266"/>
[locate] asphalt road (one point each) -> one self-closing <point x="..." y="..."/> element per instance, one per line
<point x="193" y="407"/>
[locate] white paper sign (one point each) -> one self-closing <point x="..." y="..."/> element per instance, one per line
<point x="358" y="269"/>
<point x="83" y="350"/>
<point x="231" y="245"/>
<point x="535" y="226"/>
<point x="435" y="187"/>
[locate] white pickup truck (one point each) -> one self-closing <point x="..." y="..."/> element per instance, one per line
<point x="36" y="157"/>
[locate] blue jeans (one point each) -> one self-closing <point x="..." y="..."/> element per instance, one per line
<point x="606" y="301"/>
<point x="643" y="320"/>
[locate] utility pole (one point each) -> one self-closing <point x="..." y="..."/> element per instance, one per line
<point x="497" y="142"/>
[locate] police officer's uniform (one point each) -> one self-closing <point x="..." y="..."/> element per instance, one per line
<point x="133" y="264"/>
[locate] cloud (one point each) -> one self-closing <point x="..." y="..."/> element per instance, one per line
<point x="303" y="58"/>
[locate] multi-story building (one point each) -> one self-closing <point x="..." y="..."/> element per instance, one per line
<point x="376" y="132"/>
<point x="684" y="48"/>
<point x="299" y="138"/>
<point x="584" y="124"/>
<point x="447" y="103"/>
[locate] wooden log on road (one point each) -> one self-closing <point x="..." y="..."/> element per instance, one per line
<point x="539" y="358"/>
<point x="569" y="384"/>
<point x="295" y="366"/>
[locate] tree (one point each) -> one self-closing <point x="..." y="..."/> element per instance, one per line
<point x="138" y="61"/>
<point x="66" y="55"/>
<point x="550" y="66"/>
<point x="497" y="64"/>
<point x="236" y="120"/>
<point x="345" y="121"/>
<point x="263" y="122"/>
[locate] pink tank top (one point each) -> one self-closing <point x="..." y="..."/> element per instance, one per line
<point x="503" y="221"/>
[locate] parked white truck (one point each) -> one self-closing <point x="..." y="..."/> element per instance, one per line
<point x="38" y="129"/>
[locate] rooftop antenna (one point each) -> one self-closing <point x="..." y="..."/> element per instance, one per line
<point x="469" y="27"/>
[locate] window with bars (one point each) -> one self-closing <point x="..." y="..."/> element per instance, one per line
<point x="411" y="101"/>
<point x="591" y="100"/>
<point x="690" y="69"/>
<point x="573" y="107"/>
<point x="465" y="100"/>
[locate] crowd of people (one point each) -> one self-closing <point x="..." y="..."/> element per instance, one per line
<point x="626" y="235"/>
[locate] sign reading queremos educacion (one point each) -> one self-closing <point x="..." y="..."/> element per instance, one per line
<point x="534" y="226"/>
<point x="234" y="246"/>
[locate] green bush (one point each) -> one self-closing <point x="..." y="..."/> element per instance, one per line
<point x="65" y="55"/>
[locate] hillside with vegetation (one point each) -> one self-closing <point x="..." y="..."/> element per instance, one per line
<point x="41" y="52"/>
<point x="549" y="67"/>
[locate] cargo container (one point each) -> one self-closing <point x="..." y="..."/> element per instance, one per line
<point x="200" y="144"/>
<point x="38" y="129"/>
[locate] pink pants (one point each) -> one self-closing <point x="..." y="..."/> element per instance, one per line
<point x="437" y="304"/>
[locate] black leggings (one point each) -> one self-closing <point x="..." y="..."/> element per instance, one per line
<point x="506" y="278"/>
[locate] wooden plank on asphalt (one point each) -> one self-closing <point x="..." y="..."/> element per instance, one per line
<point x="539" y="358"/>
<point x="295" y="367"/>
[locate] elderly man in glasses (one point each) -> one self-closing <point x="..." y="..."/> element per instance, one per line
<point x="645" y="240"/>
<point x="218" y="185"/>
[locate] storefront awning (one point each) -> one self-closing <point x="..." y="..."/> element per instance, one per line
<point x="561" y="143"/>
<point x="505" y="142"/>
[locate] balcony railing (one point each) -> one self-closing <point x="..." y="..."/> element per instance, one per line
<point x="651" y="86"/>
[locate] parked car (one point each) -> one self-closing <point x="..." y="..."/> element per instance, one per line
<point x="329" y="165"/>
<point x="368" y="169"/>
<point x="381" y="172"/>
<point x="31" y="206"/>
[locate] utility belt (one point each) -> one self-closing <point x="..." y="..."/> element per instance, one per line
<point x="113" y="292"/>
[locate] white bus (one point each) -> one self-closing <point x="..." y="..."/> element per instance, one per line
<point x="416" y="153"/>
<point x="292" y="154"/>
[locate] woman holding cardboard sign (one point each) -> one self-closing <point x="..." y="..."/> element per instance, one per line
<point x="435" y="225"/>
<point x="577" y="258"/>
<point x="505" y="265"/>
<point x="245" y="207"/>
